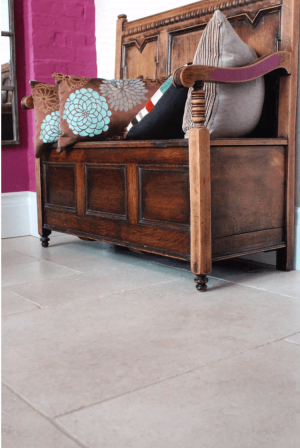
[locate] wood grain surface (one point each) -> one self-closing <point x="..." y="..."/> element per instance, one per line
<point x="136" y="194"/>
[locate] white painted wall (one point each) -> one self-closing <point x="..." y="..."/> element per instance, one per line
<point x="107" y="12"/>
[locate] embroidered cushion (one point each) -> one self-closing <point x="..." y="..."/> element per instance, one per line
<point x="232" y="110"/>
<point x="46" y="109"/>
<point x="99" y="109"/>
<point x="161" y="118"/>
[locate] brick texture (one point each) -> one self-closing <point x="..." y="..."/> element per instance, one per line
<point x="63" y="38"/>
<point x="51" y="36"/>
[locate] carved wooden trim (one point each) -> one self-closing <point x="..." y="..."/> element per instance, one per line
<point x="140" y="46"/>
<point x="200" y="12"/>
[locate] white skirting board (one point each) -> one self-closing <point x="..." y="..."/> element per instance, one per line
<point x="19" y="215"/>
<point x="19" y="218"/>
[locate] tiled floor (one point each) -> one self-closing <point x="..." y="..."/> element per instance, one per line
<point x="106" y="348"/>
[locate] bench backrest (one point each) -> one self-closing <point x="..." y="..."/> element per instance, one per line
<point x="156" y="45"/>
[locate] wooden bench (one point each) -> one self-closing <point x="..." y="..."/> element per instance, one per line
<point x="200" y="200"/>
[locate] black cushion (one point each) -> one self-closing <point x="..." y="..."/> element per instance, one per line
<point x="165" y="119"/>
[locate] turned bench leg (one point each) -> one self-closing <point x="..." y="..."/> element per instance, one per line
<point x="200" y="191"/>
<point x="201" y="282"/>
<point x="44" y="237"/>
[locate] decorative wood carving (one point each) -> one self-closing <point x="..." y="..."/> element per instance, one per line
<point x="193" y="15"/>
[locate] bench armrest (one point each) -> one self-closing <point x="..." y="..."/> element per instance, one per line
<point x="187" y="76"/>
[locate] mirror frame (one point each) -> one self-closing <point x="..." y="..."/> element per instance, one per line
<point x="13" y="86"/>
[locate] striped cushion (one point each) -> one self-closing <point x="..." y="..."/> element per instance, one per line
<point x="232" y="110"/>
<point x="151" y="103"/>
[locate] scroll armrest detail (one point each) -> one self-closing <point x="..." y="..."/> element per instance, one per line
<point x="27" y="102"/>
<point x="187" y="76"/>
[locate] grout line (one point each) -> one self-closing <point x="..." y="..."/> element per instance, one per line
<point x="293" y="342"/>
<point x="62" y="266"/>
<point x="141" y="287"/>
<point x="53" y="422"/>
<point x="172" y="377"/>
<point x="253" y="287"/>
<point x="112" y="293"/>
<point x="24" y="298"/>
<point x="21" y="253"/>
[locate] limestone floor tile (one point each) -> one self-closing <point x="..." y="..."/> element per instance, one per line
<point x="11" y="257"/>
<point x="23" y="427"/>
<point x="36" y="270"/>
<point x="73" y="253"/>
<point x="294" y="339"/>
<point x="249" y="400"/>
<point x="12" y="303"/>
<point x="91" y="350"/>
<point x="31" y="246"/>
<point x="98" y="284"/>
<point x="91" y="257"/>
<point x="259" y="275"/>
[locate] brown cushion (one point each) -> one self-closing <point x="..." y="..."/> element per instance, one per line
<point x="46" y="109"/>
<point x="93" y="109"/>
<point x="232" y="110"/>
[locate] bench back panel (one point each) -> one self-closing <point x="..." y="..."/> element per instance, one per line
<point x="156" y="45"/>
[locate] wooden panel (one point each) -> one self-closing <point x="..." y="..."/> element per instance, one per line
<point x="167" y="241"/>
<point x="164" y="196"/>
<point x="248" y="189"/>
<point x="140" y="60"/>
<point x="59" y="185"/>
<point x="257" y="22"/>
<point x="236" y="245"/>
<point x="183" y="47"/>
<point x="106" y="190"/>
<point x="264" y="33"/>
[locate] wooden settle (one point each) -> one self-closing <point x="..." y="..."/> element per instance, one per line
<point x="198" y="199"/>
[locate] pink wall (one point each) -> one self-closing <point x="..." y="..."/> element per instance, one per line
<point x="50" y="37"/>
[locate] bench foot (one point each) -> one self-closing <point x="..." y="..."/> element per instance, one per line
<point x="44" y="237"/>
<point x="201" y="282"/>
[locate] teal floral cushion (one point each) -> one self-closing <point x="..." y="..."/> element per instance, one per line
<point x="47" y="120"/>
<point x="99" y="109"/>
